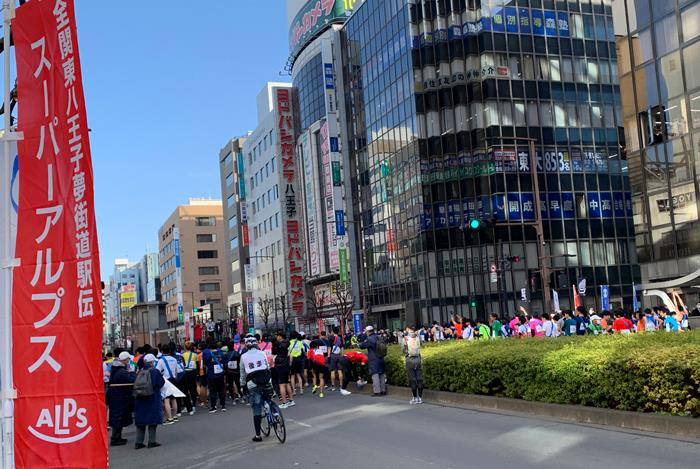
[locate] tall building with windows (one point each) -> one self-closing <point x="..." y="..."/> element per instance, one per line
<point x="443" y="97"/>
<point x="659" y="64"/>
<point x="329" y="228"/>
<point x="194" y="270"/>
<point x="272" y="195"/>
<point x="233" y="191"/>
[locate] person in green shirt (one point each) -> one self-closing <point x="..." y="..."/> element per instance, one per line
<point x="496" y="330"/>
<point x="483" y="329"/>
<point x="569" y="324"/>
<point x="594" y="325"/>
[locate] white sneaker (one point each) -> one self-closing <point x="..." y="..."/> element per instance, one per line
<point x="413" y="401"/>
<point x="191" y="412"/>
<point x="345" y="392"/>
<point x="332" y="388"/>
<point x="291" y="404"/>
<point x="179" y="414"/>
<point x="283" y="405"/>
<point x="419" y="401"/>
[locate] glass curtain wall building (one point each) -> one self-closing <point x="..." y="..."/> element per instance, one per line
<point x="442" y="99"/>
<point x="659" y="57"/>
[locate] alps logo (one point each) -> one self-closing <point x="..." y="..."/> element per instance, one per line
<point x="63" y="424"/>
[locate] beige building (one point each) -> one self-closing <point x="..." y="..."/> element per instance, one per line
<point x="193" y="263"/>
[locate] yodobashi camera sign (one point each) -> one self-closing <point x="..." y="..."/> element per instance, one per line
<point x="313" y="17"/>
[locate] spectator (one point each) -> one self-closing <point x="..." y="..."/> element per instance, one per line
<point x="414" y="371"/>
<point x="622" y="325"/>
<point x="496" y="327"/>
<point x="570" y="325"/>
<point x="148" y="411"/>
<point x="376" y="361"/>
<point x="120" y="398"/>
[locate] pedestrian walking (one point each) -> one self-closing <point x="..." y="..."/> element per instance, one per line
<point x="148" y="411"/>
<point x="170" y="369"/>
<point x="213" y="362"/>
<point x="376" y="351"/>
<point x="414" y="370"/>
<point x="120" y="397"/>
<point x="189" y="381"/>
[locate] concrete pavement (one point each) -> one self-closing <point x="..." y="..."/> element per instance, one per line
<point x="360" y="431"/>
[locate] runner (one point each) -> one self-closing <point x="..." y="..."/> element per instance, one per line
<point x="317" y="359"/>
<point x="296" y="356"/>
<point x="280" y="352"/>
<point x="335" y="353"/>
<point x="189" y="382"/>
<point x="233" y="374"/>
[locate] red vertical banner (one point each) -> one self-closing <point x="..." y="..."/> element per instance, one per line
<point x="56" y="304"/>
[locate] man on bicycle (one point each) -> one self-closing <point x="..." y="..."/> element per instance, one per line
<point x="256" y="376"/>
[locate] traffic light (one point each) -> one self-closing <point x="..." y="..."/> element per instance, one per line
<point x="472" y="303"/>
<point x="197" y="310"/>
<point x="475" y="224"/>
<point x="513" y="259"/>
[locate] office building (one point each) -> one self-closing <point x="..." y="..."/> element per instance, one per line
<point x="274" y="272"/>
<point x="443" y="98"/>
<point x="193" y="268"/>
<point x="315" y="63"/>
<point x="233" y="194"/>
<point x="659" y="65"/>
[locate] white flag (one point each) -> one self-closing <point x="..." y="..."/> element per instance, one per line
<point x="555" y="301"/>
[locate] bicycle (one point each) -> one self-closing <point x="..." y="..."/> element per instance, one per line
<point x="273" y="418"/>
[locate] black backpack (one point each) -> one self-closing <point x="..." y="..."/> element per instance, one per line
<point x="143" y="387"/>
<point x="381" y="349"/>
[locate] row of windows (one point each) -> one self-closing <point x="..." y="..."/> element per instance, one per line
<point x="206" y="238"/>
<point x="261" y="229"/>
<point x="264" y="173"/>
<point x="205" y="221"/>
<point x="170" y="263"/>
<point x="274" y="249"/>
<point x="208" y="254"/>
<point x="310" y="88"/>
<point x="266" y="199"/>
<point x="260" y="147"/>
<point x="209" y="286"/>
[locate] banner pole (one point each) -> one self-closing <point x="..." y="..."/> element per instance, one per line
<point x="7" y="261"/>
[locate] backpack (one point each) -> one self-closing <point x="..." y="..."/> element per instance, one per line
<point x="143" y="386"/>
<point x="381" y="349"/>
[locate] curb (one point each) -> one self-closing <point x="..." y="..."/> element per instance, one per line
<point x="683" y="427"/>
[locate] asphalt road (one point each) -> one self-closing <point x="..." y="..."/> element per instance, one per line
<point x="363" y="432"/>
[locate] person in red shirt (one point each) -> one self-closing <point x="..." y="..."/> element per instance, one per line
<point x="317" y="359"/>
<point x="622" y="325"/>
<point x="457" y="322"/>
<point x="198" y="331"/>
<point x="354" y="365"/>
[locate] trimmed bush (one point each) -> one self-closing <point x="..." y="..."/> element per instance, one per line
<point x="652" y="372"/>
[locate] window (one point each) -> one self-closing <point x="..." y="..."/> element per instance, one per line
<point x="228" y="159"/>
<point x="209" y="287"/>
<point x="209" y="270"/>
<point x="229" y="179"/>
<point x="232" y="222"/>
<point x="205" y="221"/>
<point x="230" y="200"/>
<point x="691" y="56"/>
<point x="691" y="22"/>
<point x="206" y="238"/>
<point x="234" y="243"/>
<point x="210" y="254"/>
<point x="666" y="33"/>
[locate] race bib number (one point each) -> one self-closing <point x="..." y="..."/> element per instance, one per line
<point x="539" y="328"/>
<point x="268" y="353"/>
<point x="323" y="349"/>
<point x="233" y="365"/>
<point x="595" y="332"/>
<point x="625" y="331"/>
<point x="218" y="369"/>
<point x="572" y="329"/>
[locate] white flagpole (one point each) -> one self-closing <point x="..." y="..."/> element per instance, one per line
<point x="7" y="261"/>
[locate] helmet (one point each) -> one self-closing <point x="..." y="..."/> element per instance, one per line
<point x="251" y="341"/>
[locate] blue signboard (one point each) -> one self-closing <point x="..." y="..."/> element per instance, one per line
<point x="340" y="223"/>
<point x="499" y="206"/>
<point x="511" y="19"/>
<point x="426" y="221"/>
<point x="527" y="205"/>
<point x="554" y="204"/>
<point x="176" y="245"/>
<point x="524" y="17"/>
<point x="563" y="24"/>
<point x="357" y="322"/>
<point x="334" y="144"/>
<point x="241" y="179"/>
<point x="593" y="202"/>
<point x="440" y="215"/>
<point x="251" y="314"/>
<point x="513" y="208"/>
<point x="605" y="297"/>
<point x="606" y="205"/>
<point x="454" y="217"/>
<point x="619" y="204"/>
<point x="544" y="207"/>
<point x="628" y="204"/>
<point x="328" y="76"/>
<point x="568" y="209"/>
<point x="469" y="209"/>
<point x="550" y="23"/>
<point x="537" y="22"/>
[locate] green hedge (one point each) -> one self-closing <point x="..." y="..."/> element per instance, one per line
<point x="653" y="372"/>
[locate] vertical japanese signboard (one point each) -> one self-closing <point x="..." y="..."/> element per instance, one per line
<point x="57" y="308"/>
<point x="292" y="202"/>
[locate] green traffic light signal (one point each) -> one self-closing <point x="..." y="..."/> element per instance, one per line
<point x="197" y="310"/>
<point x="475" y="224"/>
<point x="472" y="303"/>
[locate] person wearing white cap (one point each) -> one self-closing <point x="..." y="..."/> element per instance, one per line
<point x="148" y="410"/>
<point x="119" y="397"/>
<point x="376" y="351"/>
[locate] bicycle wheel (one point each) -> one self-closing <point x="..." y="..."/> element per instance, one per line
<point x="278" y="423"/>
<point x="265" y="423"/>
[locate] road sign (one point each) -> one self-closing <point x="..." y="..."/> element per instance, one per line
<point x="523" y="294"/>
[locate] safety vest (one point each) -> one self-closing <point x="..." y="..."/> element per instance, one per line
<point x="296" y="348"/>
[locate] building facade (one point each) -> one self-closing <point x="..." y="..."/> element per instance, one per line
<point x="444" y="101"/>
<point x="193" y="264"/>
<point x="267" y="269"/>
<point x="235" y="204"/>
<point x="332" y="287"/>
<point x="659" y="65"/>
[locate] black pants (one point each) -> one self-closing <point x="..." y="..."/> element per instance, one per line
<point x="116" y="434"/>
<point x="232" y="379"/>
<point x="217" y="388"/>
<point x="188" y="386"/>
<point x="141" y="434"/>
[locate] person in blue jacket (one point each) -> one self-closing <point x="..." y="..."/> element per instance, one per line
<point x="148" y="411"/>
<point x="120" y="397"/>
<point x="376" y="363"/>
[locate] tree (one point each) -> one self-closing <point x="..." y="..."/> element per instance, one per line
<point x="265" y="309"/>
<point x="343" y="301"/>
<point x="287" y="315"/>
<point x="320" y="300"/>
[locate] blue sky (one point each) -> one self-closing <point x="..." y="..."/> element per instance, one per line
<point x="166" y="85"/>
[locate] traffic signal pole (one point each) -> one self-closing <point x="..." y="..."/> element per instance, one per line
<point x="541" y="260"/>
